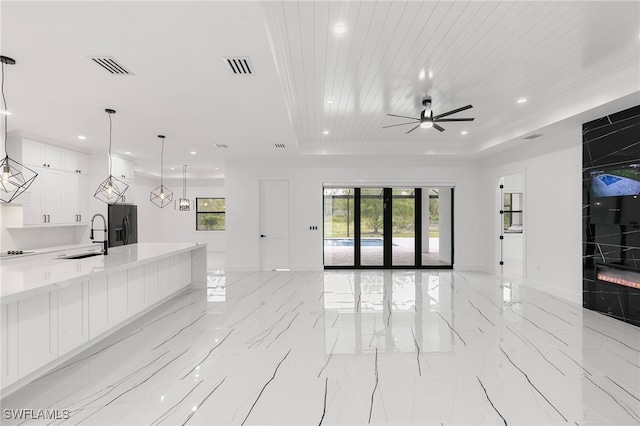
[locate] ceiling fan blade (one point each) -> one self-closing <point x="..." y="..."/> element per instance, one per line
<point x="401" y="124"/>
<point x="413" y="129"/>
<point x="452" y="112"/>
<point x="403" y="116"/>
<point x="435" y="126"/>
<point x="454" y="119"/>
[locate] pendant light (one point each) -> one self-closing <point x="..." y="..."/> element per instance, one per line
<point x="112" y="189"/>
<point x="161" y="196"/>
<point x="15" y="178"/>
<point x="184" y="201"/>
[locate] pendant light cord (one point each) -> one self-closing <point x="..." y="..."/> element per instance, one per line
<point x="110" y="145"/>
<point x="162" y="162"/>
<point x="4" y="102"/>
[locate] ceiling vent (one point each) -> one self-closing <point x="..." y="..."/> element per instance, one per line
<point x="279" y="145"/>
<point x="111" y="65"/>
<point x="221" y="146"/>
<point x="534" y="136"/>
<point x="239" y="64"/>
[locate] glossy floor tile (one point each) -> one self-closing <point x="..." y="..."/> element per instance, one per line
<point x="352" y="347"/>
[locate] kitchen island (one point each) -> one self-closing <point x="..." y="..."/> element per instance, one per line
<point x="52" y="308"/>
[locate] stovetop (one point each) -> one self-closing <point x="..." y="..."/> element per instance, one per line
<point x="14" y="253"/>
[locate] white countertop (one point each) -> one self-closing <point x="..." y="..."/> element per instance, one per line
<point x="28" y="278"/>
<point x="45" y="250"/>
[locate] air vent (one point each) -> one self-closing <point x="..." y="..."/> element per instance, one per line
<point x="111" y="65"/>
<point x="279" y="145"/>
<point x="221" y="145"/>
<point x="534" y="135"/>
<point x="239" y="64"/>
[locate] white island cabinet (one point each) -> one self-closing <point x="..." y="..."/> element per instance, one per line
<point x="52" y="309"/>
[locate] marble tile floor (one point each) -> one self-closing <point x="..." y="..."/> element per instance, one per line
<point x="349" y="348"/>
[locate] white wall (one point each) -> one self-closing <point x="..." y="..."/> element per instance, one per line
<point x="307" y="175"/>
<point x="170" y="224"/>
<point x="552" y="170"/>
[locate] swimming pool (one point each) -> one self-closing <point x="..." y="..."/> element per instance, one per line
<point x="608" y="179"/>
<point x="348" y="242"/>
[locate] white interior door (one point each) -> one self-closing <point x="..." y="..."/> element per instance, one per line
<point x="511" y="201"/>
<point x="274" y="224"/>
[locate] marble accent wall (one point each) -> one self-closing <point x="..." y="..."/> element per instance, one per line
<point x="611" y="142"/>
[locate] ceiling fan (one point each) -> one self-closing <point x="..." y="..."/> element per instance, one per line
<point x="427" y="119"/>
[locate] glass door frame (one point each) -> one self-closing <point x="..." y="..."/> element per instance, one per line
<point x="388" y="232"/>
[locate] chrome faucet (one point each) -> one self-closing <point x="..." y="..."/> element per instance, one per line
<point x="105" y="243"/>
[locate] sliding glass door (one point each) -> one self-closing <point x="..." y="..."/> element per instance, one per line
<point x="339" y="227"/>
<point x="372" y="206"/>
<point x="403" y="229"/>
<point x="378" y="227"/>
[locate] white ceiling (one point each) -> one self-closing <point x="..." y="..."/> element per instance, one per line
<point x="563" y="57"/>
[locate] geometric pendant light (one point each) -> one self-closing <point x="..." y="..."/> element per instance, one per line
<point x="15" y="178"/>
<point x="161" y="196"/>
<point x="184" y="201"/>
<point x="112" y="189"/>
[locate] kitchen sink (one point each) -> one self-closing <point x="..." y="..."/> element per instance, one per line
<point x="80" y="256"/>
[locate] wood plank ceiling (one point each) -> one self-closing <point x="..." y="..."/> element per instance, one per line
<point x="339" y="87"/>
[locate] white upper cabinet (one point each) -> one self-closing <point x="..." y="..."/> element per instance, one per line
<point x="60" y="193"/>
<point x="122" y="169"/>
<point x="42" y="155"/>
<point x="33" y="153"/>
<point x="53" y="157"/>
<point x="76" y="162"/>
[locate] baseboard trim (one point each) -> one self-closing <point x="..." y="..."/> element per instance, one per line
<point x="241" y="268"/>
<point x="554" y="291"/>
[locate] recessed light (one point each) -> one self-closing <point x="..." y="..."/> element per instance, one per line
<point x="128" y="152"/>
<point x="522" y="100"/>
<point x="430" y="74"/>
<point x="173" y="168"/>
<point x="421" y="75"/>
<point x="339" y="28"/>
<point x="464" y="132"/>
<point x="326" y="132"/>
<point x="82" y="138"/>
<point x="329" y="101"/>
<point x="193" y="153"/>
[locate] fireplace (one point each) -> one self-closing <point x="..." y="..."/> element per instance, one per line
<point x="617" y="292"/>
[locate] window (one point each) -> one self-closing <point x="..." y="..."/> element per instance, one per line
<point x="210" y="214"/>
<point x="512" y="212"/>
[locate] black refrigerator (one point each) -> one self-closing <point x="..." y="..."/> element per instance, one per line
<point x="123" y="224"/>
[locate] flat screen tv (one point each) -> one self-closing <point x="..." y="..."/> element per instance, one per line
<point x="615" y="195"/>
<point x="617" y="181"/>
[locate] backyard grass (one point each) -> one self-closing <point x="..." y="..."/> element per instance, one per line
<point x="631" y="174"/>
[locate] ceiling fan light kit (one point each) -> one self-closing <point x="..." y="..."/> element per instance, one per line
<point x="427" y="120"/>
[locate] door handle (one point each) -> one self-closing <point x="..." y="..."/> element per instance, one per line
<point x="262" y="236"/>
